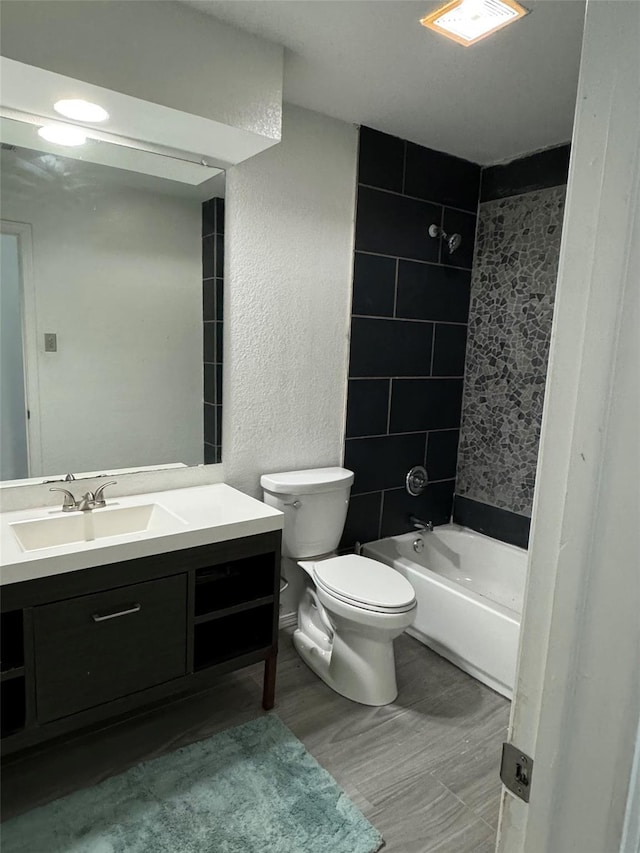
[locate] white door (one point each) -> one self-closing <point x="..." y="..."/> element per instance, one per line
<point x="20" y="445"/>
<point x="14" y="457"/>
<point x="577" y="702"/>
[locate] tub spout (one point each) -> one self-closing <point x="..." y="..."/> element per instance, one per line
<point x="422" y="526"/>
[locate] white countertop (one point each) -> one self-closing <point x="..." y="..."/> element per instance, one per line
<point x="209" y="514"/>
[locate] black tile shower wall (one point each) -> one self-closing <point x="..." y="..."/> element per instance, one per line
<point x="549" y="168"/>
<point x="212" y="297"/>
<point x="408" y="331"/>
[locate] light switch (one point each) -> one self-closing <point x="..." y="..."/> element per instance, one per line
<point x="50" y="342"/>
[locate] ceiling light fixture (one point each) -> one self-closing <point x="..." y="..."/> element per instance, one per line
<point x="469" y="21"/>
<point x="63" y="134"/>
<point x="79" y="110"/>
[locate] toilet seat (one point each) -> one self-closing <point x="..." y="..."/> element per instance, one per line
<point x="365" y="583"/>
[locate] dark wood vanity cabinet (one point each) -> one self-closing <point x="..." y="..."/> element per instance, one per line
<point x="112" y="644"/>
<point x="86" y="646"/>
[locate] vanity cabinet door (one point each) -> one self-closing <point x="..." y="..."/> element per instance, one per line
<point x="96" y="648"/>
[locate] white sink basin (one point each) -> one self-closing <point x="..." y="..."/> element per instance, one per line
<point x="96" y="524"/>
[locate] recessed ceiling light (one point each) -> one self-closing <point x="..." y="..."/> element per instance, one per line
<point x="63" y="134"/>
<point x="468" y="21"/>
<point x="80" y="110"/>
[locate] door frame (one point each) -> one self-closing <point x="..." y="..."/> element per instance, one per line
<point x="576" y="705"/>
<point x="30" y="336"/>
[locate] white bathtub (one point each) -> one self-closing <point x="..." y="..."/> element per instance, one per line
<point x="470" y="590"/>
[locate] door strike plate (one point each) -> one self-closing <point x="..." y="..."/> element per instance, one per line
<point x="515" y="771"/>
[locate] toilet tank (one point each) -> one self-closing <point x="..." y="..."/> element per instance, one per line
<point x="314" y="503"/>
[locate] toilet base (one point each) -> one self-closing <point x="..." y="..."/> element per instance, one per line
<point x="361" y="670"/>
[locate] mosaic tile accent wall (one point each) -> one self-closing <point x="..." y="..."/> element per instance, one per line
<point x="512" y="297"/>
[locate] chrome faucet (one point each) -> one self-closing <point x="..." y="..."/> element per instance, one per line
<point x="419" y="524"/>
<point x="69" y="504"/>
<point x="89" y="501"/>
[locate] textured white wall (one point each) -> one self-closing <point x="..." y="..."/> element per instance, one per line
<point x="159" y="51"/>
<point x="289" y="244"/>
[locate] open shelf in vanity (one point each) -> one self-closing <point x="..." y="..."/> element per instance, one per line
<point x="82" y="647"/>
<point x="12" y="673"/>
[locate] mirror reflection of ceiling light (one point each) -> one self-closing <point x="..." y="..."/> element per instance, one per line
<point x="79" y="110"/>
<point x="63" y="134"/>
<point x="469" y="21"/>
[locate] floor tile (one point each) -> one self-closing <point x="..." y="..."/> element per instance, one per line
<point x="424" y="817"/>
<point x="423" y="770"/>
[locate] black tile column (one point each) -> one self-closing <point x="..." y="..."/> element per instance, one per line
<point x="212" y="297"/>
<point x="408" y="331"/>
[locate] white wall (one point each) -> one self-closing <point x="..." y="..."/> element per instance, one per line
<point x="289" y="254"/>
<point x="13" y="426"/>
<point x="118" y="277"/>
<point x="289" y="250"/>
<point x="163" y="52"/>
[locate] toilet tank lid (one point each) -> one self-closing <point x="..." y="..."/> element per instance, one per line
<point x="308" y="482"/>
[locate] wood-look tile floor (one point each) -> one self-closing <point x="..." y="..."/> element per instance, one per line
<point x="424" y="770"/>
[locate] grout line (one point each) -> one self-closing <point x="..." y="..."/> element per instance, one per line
<point x="407" y="319"/>
<point x="414" y="260"/>
<point x="394" y="434"/>
<point x="395" y="290"/>
<point x="433" y="349"/>
<point x="398" y="488"/>
<point x="462" y="802"/>
<point x="404" y="167"/>
<point x="381" y="513"/>
<point x="405" y="377"/>
<point x="417" y="198"/>
<point x="389" y="407"/>
<point x="465" y="804"/>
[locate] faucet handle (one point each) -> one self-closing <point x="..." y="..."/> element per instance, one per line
<point x="69" y="504"/>
<point x="99" y="493"/>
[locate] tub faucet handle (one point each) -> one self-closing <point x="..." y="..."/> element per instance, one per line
<point x="416" y="480"/>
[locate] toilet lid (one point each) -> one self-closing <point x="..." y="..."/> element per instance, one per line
<point x="364" y="581"/>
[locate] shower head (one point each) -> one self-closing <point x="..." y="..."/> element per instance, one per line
<point x="453" y="241"/>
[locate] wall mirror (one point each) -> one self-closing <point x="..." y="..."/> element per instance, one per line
<point x="111" y="286"/>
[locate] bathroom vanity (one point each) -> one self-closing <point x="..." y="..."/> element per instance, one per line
<point x="93" y="629"/>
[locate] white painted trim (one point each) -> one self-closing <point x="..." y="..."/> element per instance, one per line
<point x="577" y="698"/>
<point x="28" y="306"/>
<point x="631" y="833"/>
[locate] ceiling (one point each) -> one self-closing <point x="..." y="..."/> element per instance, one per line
<point x="372" y="63"/>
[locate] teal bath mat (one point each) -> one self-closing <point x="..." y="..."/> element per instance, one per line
<point x="251" y="789"/>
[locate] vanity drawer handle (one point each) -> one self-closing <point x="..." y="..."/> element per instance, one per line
<point x="102" y="617"/>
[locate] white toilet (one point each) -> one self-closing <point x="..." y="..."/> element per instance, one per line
<point x="352" y="607"/>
